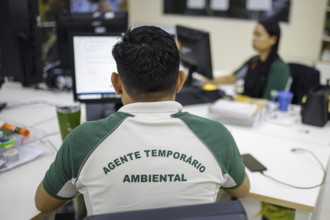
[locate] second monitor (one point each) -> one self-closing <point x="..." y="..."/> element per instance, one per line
<point x="195" y="51"/>
<point x="195" y="54"/>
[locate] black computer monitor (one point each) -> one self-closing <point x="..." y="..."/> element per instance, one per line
<point x="97" y="22"/>
<point x="20" y="43"/>
<point x="92" y="66"/>
<point x="195" y="51"/>
<point x="195" y="54"/>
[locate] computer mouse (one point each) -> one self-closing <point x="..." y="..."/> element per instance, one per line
<point x="209" y="87"/>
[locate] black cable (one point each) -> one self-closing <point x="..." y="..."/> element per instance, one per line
<point x="23" y="104"/>
<point x="301" y="187"/>
<point x="2" y="105"/>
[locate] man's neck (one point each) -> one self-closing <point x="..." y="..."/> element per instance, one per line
<point x="150" y="99"/>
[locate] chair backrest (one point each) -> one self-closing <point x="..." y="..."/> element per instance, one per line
<point x="303" y="79"/>
<point x="227" y="210"/>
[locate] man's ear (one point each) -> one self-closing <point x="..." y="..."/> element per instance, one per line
<point x="181" y="80"/>
<point x="116" y="82"/>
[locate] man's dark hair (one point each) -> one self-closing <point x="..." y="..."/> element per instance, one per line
<point x="148" y="62"/>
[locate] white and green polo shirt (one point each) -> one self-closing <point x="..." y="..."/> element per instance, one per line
<point x="146" y="155"/>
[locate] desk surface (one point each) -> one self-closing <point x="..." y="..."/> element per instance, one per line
<point x="271" y="144"/>
<point x="294" y="168"/>
<point x="298" y="131"/>
<point x="19" y="184"/>
<point x="268" y="143"/>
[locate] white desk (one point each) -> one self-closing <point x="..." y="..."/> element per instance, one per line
<point x="271" y="144"/>
<point x="18" y="185"/>
<point x="298" y="131"/>
<point x="271" y="148"/>
<point x="299" y="169"/>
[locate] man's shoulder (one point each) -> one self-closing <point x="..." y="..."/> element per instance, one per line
<point x="201" y="122"/>
<point x="96" y="127"/>
<point x="190" y="116"/>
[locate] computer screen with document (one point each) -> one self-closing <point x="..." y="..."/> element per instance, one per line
<point x="92" y="66"/>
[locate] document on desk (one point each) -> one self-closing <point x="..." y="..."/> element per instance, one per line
<point x="234" y="112"/>
<point x="239" y="110"/>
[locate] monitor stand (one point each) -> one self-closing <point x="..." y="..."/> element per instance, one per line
<point x="96" y="111"/>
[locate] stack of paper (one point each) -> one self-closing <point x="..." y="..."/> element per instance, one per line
<point x="234" y="112"/>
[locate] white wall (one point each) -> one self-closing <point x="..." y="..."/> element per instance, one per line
<point x="231" y="38"/>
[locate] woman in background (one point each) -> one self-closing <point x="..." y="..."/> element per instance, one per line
<point x="265" y="71"/>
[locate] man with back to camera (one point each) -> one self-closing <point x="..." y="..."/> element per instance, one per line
<point x="150" y="153"/>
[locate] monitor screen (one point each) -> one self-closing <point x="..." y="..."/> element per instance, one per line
<point x="93" y="65"/>
<point x="68" y="23"/>
<point x="195" y="51"/>
<point x="97" y="5"/>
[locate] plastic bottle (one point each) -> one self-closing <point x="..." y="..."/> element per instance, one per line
<point x="22" y="131"/>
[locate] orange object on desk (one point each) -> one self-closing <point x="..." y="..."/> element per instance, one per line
<point x="22" y="131"/>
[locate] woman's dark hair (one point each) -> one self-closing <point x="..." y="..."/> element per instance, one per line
<point x="255" y="84"/>
<point x="273" y="29"/>
<point x="148" y="61"/>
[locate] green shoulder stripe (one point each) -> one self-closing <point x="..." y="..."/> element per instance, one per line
<point x="220" y="142"/>
<point x="86" y="137"/>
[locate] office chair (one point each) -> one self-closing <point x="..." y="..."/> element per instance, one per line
<point x="227" y="210"/>
<point x="303" y="79"/>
